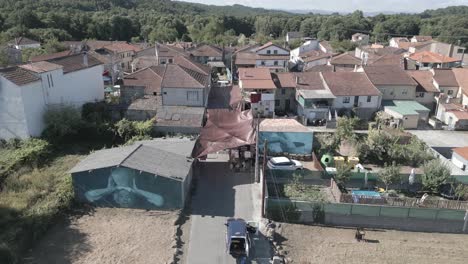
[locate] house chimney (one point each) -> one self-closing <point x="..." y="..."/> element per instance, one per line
<point x="85" y="59"/>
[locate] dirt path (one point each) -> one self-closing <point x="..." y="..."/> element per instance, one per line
<point x="313" y="244"/>
<point x="109" y="235"/>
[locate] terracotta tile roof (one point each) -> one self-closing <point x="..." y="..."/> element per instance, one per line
<point x="456" y="109"/>
<point x="423" y="38"/>
<point x="388" y="59"/>
<point x="169" y="51"/>
<point x="51" y="56"/>
<point x="345" y="59"/>
<point x="431" y="57"/>
<point x="150" y="78"/>
<point x="424" y="80"/>
<point x="177" y="76"/>
<point x="256" y="78"/>
<point x="18" y="75"/>
<point x="350" y="84"/>
<point x="382" y="51"/>
<point x="445" y="77"/>
<point x="284" y="80"/>
<point x="23" y="41"/>
<point x="41" y="66"/>
<point x="269" y="44"/>
<point x="180" y="116"/>
<point x="206" y="50"/>
<point x="463" y="152"/>
<point x="388" y="75"/>
<point x="190" y="64"/>
<point x="320" y="68"/>
<point x="314" y="55"/>
<point x="309" y="81"/>
<point x="461" y="74"/>
<point x="245" y="58"/>
<point x="75" y="62"/>
<point x="121" y="47"/>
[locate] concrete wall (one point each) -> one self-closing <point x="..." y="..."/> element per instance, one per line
<point x="13" y="123"/>
<point x="426" y="99"/>
<point x="282" y="95"/>
<point x="80" y="87"/>
<point x="179" y="96"/>
<point x="272" y="50"/>
<point x="459" y="161"/>
<point x="397" y="92"/>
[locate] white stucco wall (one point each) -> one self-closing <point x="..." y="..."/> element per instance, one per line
<point x="397" y="92"/>
<point x="271" y="63"/>
<point x="362" y="102"/>
<point x="424" y="98"/>
<point x="459" y="161"/>
<point x="178" y="96"/>
<point x="272" y="49"/>
<point x="13" y="123"/>
<point x="83" y="86"/>
<point x="34" y="108"/>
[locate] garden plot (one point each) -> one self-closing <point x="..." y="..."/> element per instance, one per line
<point x="314" y="244"/>
<point x="109" y="235"/>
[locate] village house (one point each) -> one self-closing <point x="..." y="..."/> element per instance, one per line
<point x="426" y="91"/>
<point x="123" y="52"/>
<point x="396" y="42"/>
<point x="285" y="93"/>
<point x="460" y="157"/>
<point x="406" y="113"/>
<point x="373" y="52"/>
<point x="257" y="86"/>
<point x="461" y="74"/>
<point x="445" y="49"/>
<point x="426" y="60"/>
<point x="206" y="53"/>
<point x="308" y="55"/>
<point x="269" y="56"/>
<point x="345" y="62"/>
<point x="24" y="43"/>
<point x="353" y="92"/>
<point x="360" y="39"/>
<point x="454" y="115"/>
<point x="27" y="91"/>
<point x="392" y="81"/>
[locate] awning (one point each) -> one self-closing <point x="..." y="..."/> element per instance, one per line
<point x="225" y="129"/>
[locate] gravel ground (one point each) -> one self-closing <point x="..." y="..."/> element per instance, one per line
<point x="109" y="235"/>
<point x="313" y="244"/>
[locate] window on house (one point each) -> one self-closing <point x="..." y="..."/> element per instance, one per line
<point x="155" y="93"/>
<point x="275" y="52"/>
<point x="192" y="96"/>
<point x="346" y="100"/>
<point x="405" y="92"/>
<point x="283" y="91"/>
<point x="275" y="63"/>
<point x="441" y="90"/>
<point x="165" y="93"/>
<point x="450" y="92"/>
<point x="170" y="60"/>
<point x="266" y="109"/>
<point x="369" y="98"/>
<point x="263" y="63"/>
<point x="425" y="64"/>
<point x="277" y="103"/>
<point x="420" y="94"/>
<point x="268" y="52"/>
<point x="460" y="51"/>
<point x="51" y="80"/>
<point x="122" y="65"/>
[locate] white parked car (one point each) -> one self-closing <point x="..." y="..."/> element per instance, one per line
<point x="283" y="163"/>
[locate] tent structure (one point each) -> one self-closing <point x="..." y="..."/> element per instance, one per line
<point x="152" y="174"/>
<point x="225" y="129"/>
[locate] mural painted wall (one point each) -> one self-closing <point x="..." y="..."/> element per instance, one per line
<point x="290" y="142"/>
<point x="127" y="188"/>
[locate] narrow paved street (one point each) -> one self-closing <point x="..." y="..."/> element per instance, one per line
<point x="221" y="194"/>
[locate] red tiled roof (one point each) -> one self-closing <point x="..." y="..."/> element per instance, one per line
<point x="461" y="74"/>
<point x="51" y="56"/>
<point x="269" y="44"/>
<point x="431" y="57"/>
<point x="445" y="77"/>
<point x="177" y="76"/>
<point x="150" y="78"/>
<point x="41" y="66"/>
<point x="463" y="152"/>
<point x="309" y="81"/>
<point x="256" y="78"/>
<point x="424" y="80"/>
<point x="75" y="62"/>
<point x="245" y="58"/>
<point x="18" y="75"/>
<point x="345" y="59"/>
<point x="121" y="47"/>
<point x="350" y="84"/>
<point x="284" y="80"/>
<point x="189" y="63"/>
<point x="388" y="59"/>
<point x="206" y="51"/>
<point x="388" y="75"/>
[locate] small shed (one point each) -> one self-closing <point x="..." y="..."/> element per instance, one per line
<point x="152" y="174"/>
<point x="411" y="113"/>
<point x="460" y="157"/>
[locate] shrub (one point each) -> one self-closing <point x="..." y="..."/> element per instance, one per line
<point x="61" y="122"/>
<point x="435" y="175"/>
<point x="343" y="174"/>
<point x="299" y="190"/>
<point x="128" y="129"/>
<point x="390" y="174"/>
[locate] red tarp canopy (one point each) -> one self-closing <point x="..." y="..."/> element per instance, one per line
<point x="225" y="129"/>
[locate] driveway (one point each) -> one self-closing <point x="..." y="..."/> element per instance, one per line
<point x="221" y="194"/>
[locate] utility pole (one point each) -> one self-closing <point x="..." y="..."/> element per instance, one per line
<point x="263" y="182"/>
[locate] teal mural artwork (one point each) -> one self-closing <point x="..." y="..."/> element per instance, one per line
<point x="122" y="187"/>
<point x="289" y="142"/>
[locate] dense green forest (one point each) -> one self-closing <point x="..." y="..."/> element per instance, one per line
<point x="164" y="20"/>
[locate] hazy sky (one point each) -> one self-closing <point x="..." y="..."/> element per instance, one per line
<point x="411" y="6"/>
